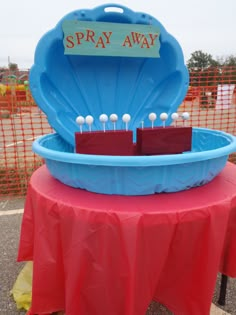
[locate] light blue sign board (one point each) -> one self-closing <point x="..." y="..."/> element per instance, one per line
<point x="110" y="39"/>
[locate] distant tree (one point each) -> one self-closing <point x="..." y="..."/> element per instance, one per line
<point x="201" y="61"/>
<point x="2" y="72"/>
<point x="227" y="60"/>
<point x="13" y="66"/>
<point x="203" y="69"/>
<point x="228" y="69"/>
<point x="230" y="61"/>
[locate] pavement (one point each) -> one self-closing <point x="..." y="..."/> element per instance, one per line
<point x="10" y="223"/>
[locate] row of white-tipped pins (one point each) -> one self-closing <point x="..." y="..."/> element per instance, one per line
<point x="103" y="118"/>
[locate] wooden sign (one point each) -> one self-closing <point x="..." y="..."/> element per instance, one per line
<point x="110" y="39"/>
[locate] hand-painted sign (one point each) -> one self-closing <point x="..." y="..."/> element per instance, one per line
<point x="110" y="39"/>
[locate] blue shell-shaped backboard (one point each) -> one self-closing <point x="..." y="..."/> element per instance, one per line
<point x="66" y="86"/>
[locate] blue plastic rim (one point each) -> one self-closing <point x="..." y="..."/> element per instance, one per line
<point x="138" y="175"/>
<point x="66" y="86"/>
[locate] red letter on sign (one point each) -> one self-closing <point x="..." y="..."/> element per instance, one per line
<point x="127" y="41"/>
<point x="100" y="42"/>
<point x="90" y="36"/>
<point x="79" y="36"/>
<point x="107" y="36"/>
<point x="70" y="41"/>
<point x="136" y="37"/>
<point x="145" y="42"/>
<point x="153" y="38"/>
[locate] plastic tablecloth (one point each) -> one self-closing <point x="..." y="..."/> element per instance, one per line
<point x="101" y="254"/>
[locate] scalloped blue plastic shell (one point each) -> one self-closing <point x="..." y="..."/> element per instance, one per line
<point x="65" y="86"/>
<point x="138" y="175"/>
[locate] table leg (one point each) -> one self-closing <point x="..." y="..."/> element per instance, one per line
<point x="223" y="288"/>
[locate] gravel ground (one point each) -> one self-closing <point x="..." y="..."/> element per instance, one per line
<point x="9" y="268"/>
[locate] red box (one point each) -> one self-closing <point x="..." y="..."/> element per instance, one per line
<point x="168" y="140"/>
<point x="119" y="142"/>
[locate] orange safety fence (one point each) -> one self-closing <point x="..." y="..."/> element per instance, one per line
<point x="210" y="101"/>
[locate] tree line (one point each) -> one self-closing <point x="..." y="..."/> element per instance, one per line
<point x="200" y="60"/>
<point x="204" y="70"/>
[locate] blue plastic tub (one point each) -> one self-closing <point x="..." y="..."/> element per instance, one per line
<point x="138" y="175"/>
<point x="66" y="86"/>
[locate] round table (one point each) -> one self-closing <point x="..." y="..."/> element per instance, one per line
<point x="108" y="254"/>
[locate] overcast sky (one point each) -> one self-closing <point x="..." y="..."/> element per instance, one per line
<point x="207" y="25"/>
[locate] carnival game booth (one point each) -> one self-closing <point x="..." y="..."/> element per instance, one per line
<point x="114" y="218"/>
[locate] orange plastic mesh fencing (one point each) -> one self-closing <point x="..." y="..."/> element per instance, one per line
<point x="210" y="101"/>
<point x="20" y="123"/>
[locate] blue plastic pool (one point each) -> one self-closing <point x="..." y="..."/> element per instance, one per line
<point x="66" y="86"/>
<point x="138" y="175"/>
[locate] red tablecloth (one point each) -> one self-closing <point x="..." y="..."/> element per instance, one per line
<point x="111" y="255"/>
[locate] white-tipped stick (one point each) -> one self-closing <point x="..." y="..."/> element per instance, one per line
<point x="185" y="117"/>
<point x="174" y="117"/>
<point x="163" y="117"/>
<point x="152" y="117"/>
<point x="103" y="119"/>
<point x="80" y="121"/>
<point x="126" y="119"/>
<point x="89" y="121"/>
<point x="113" y="119"/>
